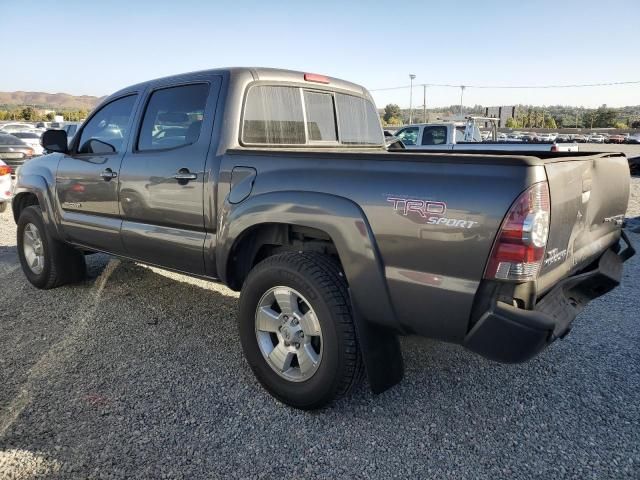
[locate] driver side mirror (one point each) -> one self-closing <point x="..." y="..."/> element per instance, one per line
<point x="55" y="141"/>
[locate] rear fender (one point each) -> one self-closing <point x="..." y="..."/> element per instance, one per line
<point x="338" y="217"/>
<point x="346" y="225"/>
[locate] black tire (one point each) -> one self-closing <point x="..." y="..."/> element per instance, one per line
<point x="62" y="263"/>
<point x="318" y="278"/>
<point x="3" y="207"/>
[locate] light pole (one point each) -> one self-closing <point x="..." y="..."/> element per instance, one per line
<point x="462" y="87"/>
<point x="424" y="103"/>
<point x="411" y="76"/>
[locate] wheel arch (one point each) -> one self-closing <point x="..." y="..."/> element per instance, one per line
<point x="34" y="190"/>
<point x="341" y="225"/>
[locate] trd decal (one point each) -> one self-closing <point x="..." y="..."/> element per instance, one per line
<point x="433" y="212"/>
<point x="555" y="255"/>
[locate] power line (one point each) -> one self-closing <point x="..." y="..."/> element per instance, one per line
<point x="449" y="85"/>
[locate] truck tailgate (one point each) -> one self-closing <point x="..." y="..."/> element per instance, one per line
<point x="588" y="201"/>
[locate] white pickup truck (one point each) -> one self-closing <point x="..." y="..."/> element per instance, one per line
<point x="463" y="136"/>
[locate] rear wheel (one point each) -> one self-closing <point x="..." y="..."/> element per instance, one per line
<point x="46" y="262"/>
<point x="297" y="331"/>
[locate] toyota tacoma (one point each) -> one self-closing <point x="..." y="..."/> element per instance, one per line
<point x="278" y="184"/>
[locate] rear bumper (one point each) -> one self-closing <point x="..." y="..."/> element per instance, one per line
<point x="509" y="334"/>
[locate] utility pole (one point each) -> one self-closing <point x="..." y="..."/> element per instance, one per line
<point x="462" y="87"/>
<point x="576" y="119"/>
<point x="424" y="103"/>
<point x="411" y="77"/>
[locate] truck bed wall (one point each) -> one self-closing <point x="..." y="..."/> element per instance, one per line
<point x="431" y="269"/>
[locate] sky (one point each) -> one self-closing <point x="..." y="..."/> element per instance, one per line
<point x="95" y="48"/>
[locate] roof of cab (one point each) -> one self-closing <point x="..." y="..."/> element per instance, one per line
<point x="256" y="73"/>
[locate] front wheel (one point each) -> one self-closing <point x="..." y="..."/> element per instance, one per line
<point x="297" y="330"/>
<point x="46" y="262"/>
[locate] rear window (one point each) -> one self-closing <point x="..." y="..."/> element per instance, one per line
<point x="321" y="117"/>
<point x="26" y="135"/>
<point x="273" y="115"/>
<point x="359" y="121"/>
<point x="10" y="140"/>
<point x="280" y="115"/>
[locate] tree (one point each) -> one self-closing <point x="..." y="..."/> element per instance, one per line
<point x="635" y="124"/>
<point x="390" y="111"/>
<point x="604" y="117"/>
<point x="393" y="121"/>
<point x="28" y="114"/>
<point x="50" y="116"/>
<point x="619" y="125"/>
<point x="512" y="123"/>
<point x="550" y="122"/>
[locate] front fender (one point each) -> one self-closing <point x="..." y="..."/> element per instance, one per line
<point x="339" y="218"/>
<point x="44" y="192"/>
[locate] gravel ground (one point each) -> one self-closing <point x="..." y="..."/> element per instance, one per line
<point x="138" y="373"/>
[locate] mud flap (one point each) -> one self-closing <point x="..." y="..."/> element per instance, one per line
<point x="381" y="353"/>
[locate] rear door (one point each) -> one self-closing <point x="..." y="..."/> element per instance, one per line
<point x="162" y="178"/>
<point x="87" y="178"/>
<point x="588" y="202"/>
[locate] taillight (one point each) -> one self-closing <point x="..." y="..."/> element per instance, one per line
<point x="518" y="250"/>
<point x="554" y="148"/>
<point x="5" y="170"/>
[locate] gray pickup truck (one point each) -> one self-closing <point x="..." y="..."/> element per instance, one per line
<point x="278" y="184"/>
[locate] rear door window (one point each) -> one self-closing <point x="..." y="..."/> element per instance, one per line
<point x="173" y="117"/>
<point x="436" y="135"/>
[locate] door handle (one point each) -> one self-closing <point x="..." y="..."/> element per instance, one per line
<point x="184" y="175"/>
<point x="108" y="174"/>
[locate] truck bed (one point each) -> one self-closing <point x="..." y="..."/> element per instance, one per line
<point x="474" y="187"/>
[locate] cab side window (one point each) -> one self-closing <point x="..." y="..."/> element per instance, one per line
<point x="434" y="135"/>
<point x="107" y="129"/>
<point x="409" y="136"/>
<point x="173" y="117"/>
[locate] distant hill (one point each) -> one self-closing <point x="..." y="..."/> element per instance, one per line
<point x="49" y="100"/>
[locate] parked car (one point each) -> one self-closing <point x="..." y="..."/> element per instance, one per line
<point x="5" y="185"/>
<point x="579" y="138"/>
<point x="450" y="136"/>
<point x="563" y="138"/>
<point x="634" y="138"/>
<point x="529" y="137"/>
<point x="545" y="138"/>
<point x="335" y="250"/>
<point x="596" y="138"/>
<point x="514" y="137"/>
<point x="615" y="138"/>
<point x="14" y="152"/>
<point x="32" y="139"/>
<point x="16" y="127"/>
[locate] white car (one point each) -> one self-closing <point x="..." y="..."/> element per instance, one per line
<point x="16" y="127"/>
<point x="596" y="138"/>
<point x="32" y="139"/>
<point x="546" y="138"/>
<point x="5" y="185"/>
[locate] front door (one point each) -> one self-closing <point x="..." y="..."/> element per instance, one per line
<point x="162" y="177"/>
<point x="87" y="178"/>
